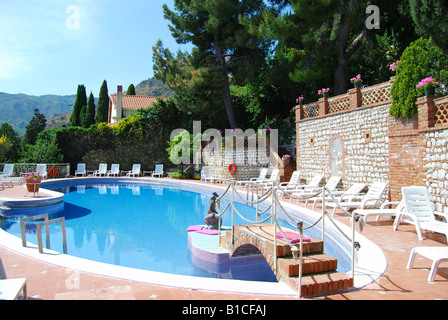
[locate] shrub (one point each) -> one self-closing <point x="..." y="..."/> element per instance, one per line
<point x="420" y="60"/>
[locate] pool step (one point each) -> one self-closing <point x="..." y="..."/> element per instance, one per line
<point x="312" y="263"/>
<point x="321" y="283"/>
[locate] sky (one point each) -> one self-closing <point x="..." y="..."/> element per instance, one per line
<point x="52" y="46"/>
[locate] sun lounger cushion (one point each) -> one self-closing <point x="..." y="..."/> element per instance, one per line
<point x="194" y="228"/>
<point x="208" y="231"/>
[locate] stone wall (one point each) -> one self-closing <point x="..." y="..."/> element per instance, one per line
<point x="353" y="135"/>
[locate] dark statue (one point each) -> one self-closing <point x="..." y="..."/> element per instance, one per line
<point x="211" y="220"/>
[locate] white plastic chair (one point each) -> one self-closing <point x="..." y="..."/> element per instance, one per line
<point x="158" y="170"/>
<point x="114" y="170"/>
<point x="102" y="170"/>
<point x="419" y="212"/>
<point x="207" y="174"/>
<point x="382" y="212"/>
<point x="42" y="169"/>
<point x="80" y="170"/>
<point x="261" y="178"/>
<point x="373" y="197"/>
<point x="291" y="184"/>
<point x="8" y="170"/>
<point x="307" y="190"/>
<point x="436" y="254"/>
<point x="347" y="195"/>
<point x="136" y="170"/>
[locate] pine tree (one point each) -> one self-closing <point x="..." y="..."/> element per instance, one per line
<point x="224" y="50"/>
<point x="131" y="90"/>
<point x="103" y="104"/>
<point x="81" y="101"/>
<point x="34" y="127"/>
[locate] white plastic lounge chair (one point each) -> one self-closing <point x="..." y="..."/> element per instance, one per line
<point x="261" y="178"/>
<point x="114" y="170"/>
<point x="136" y="170"/>
<point x="11" y="288"/>
<point x="291" y="184"/>
<point x="269" y="182"/>
<point x="158" y="171"/>
<point x="419" y="212"/>
<point x="207" y="174"/>
<point x="8" y="170"/>
<point x="102" y="170"/>
<point x="354" y="190"/>
<point x="80" y="170"/>
<point x="381" y="212"/>
<point x="374" y="197"/>
<point x="436" y="254"/>
<point x="331" y="185"/>
<point x="42" y="168"/>
<point x="5" y="181"/>
<point x="308" y="189"/>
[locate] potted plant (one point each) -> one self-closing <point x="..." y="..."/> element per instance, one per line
<point x="356" y="81"/>
<point x="32" y="181"/>
<point x="429" y="86"/>
<point x="299" y="100"/>
<point x="324" y="92"/>
<point x="286" y="159"/>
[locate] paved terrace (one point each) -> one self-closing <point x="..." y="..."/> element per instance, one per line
<point x="49" y="282"/>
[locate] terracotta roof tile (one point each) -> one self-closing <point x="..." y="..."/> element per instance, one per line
<point x="134" y="102"/>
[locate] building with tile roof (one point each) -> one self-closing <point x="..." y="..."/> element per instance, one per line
<point x="121" y="105"/>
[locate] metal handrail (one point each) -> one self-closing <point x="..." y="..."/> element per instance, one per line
<point x="39" y="226"/>
<point x="276" y="207"/>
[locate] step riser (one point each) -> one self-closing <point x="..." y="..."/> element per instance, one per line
<point x="309" y="267"/>
<point x="321" y="287"/>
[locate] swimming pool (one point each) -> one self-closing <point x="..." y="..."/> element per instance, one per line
<point x="143" y="226"/>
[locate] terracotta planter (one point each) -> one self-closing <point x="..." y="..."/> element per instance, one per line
<point x="33" y="186"/>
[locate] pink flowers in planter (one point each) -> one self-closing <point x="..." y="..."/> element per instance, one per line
<point x="427" y="83"/>
<point x="300" y="98"/>
<point x="356" y="79"/>
<point x="323" y="91"/>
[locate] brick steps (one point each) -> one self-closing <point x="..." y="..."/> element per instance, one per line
<point x="319" y="275"/>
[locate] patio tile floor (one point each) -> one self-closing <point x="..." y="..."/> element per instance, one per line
<point x="49" y="282"/>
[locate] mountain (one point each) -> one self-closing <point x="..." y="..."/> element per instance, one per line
<point x="18" y="109"/>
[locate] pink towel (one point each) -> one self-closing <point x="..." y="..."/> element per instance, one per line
<point x="208" y="231"/>
<point x="194" y="228"/>
<point x="292" y="237"/>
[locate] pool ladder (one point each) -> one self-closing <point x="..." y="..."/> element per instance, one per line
<point x="39" y="226"/>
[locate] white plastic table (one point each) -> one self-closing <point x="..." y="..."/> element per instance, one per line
<point x="11" y="288"/>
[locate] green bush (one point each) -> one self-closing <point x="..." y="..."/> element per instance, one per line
<point x="420" y="60"/>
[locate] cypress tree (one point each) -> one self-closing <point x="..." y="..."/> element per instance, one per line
<point x="81" y="101"/>
<point x="90" y="112"/>
<point x="103" y="104"/>
<point x="35" y="126"/>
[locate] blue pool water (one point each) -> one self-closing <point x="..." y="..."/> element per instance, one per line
<point x="138" y="226"/>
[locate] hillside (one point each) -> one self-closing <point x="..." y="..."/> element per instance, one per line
<point x="18" y="109"/>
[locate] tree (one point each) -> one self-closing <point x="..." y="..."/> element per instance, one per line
<point x="103" y="104"/>
<point x="431" y="18"/>
<point x="131" y="90"/>
<point x="34" y="127"/>
<point x="224" y="51"/>
<point x="420" y="60"/>
<point x="80" y="102"/>
<point x="13" y="137"/>
<point x="89" y="116"/>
